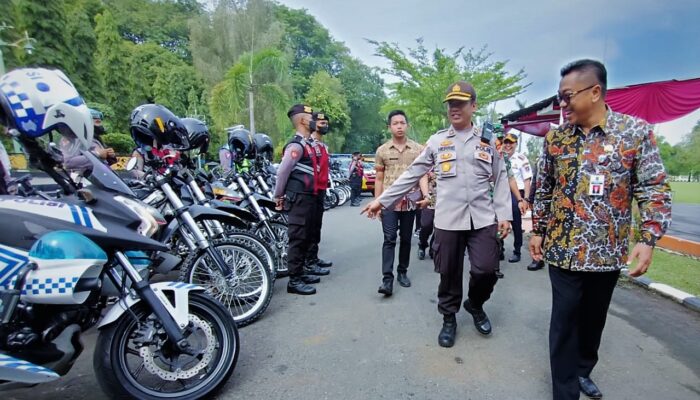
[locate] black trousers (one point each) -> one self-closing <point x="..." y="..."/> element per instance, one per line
<point x="419" y="212"/>
<point x="394" y="222"/>
<point x="449" y="247"/>
<point x="356" y="188"/>
<point x="517" y="224"/>
<point x="301" y="209"/>
<point x="580" y="303"/>
<point x="426" y="228"/>
<point x="315" y="228"/>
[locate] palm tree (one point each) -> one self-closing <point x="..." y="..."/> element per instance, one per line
<point x="265" y="74"/>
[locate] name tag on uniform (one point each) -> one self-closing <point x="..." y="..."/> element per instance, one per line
<point x="595" y="188"/>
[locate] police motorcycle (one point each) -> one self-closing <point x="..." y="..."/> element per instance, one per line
<point x="73" y="263"/>
<point x="234" y="270"/>
<point x="234" y="187"/>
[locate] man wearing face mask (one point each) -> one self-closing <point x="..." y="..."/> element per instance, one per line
<point x="356" y="172"/>
<point x="315" y="265"/>
<point x="466" y="214"/>
<point x="295" y="192"/>
<point x="80" y="163"/>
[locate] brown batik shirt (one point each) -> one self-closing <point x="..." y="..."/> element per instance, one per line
<point x="394" y="163"/>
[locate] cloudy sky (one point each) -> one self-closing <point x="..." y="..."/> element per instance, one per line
<point x="638" y="40"/>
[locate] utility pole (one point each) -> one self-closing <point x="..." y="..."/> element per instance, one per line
<point x="251" y="99"/>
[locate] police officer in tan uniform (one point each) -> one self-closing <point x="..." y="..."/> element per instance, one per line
<point x="466" y="216"/>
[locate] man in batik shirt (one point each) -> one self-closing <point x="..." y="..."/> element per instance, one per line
<point x="591" y="169"/>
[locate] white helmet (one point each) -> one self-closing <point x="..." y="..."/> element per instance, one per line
<point x="35" y="101"/>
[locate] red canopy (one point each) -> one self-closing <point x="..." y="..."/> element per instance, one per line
<point x="655" y="102"/>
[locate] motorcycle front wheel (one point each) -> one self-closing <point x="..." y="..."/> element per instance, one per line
<point x="134" y="359"/>
<point x="247" y="293"/>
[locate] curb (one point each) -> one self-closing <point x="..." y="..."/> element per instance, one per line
<point x="679" y="296"/>
<point x="683" y="246"/>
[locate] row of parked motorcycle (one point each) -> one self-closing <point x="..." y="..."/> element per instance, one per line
<point x="95" y="252"/>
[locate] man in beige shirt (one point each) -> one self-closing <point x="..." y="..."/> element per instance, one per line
<point x="391" y="160"/>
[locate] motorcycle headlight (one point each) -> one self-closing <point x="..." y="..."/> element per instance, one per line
<point x="151" y="219"/>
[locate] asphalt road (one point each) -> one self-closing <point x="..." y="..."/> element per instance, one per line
<point x="348" y="342"/>
<point x="685" y="221"/>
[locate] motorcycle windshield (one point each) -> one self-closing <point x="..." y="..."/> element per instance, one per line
<point x="103" y="177"/>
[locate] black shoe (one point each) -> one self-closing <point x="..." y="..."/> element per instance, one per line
<point x="501" y="256"/>
<point x="316" y="270"/>
<point x="481" y="320"/>
<point x="323" y="263"/>
<point x="387" y="288"/>
<point x="310" y="279"/>
<point x="589" y="388"/>
<point x="447" y="335"/>
<point x="499" y="274"/>
<point x="535" y="265"/>
<point x="403" y="280"/>
<point x="431" y="253"/>
<point x="297" y="286"/>
<point x="421" y="254"/>
<point x="514" y="258"/>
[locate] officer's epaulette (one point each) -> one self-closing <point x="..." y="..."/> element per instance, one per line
<point x="441" y="131"/>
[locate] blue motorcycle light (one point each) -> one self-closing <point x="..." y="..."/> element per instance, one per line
<point x="66" y="245"/>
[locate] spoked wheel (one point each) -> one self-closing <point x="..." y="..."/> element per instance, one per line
<point x="246" y="293"/>
<point x="245" y="237"/>
<point x="342" y="196"/>
<point x="279" y="242"/>
<point x="332" y="196"/>
<point x="134" y="358"/>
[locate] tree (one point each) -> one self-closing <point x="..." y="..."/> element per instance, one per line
<point x="687" y="154"/>
<point x="7" y="18"/>
<point x="311" y="46"/>
<point x="272" y="94"/>
<point x="158" y="21"/>
<point x="112" y="68"/>
<point x="233" y="28"/>
<point x="326" y="94"/>
<point x="364" y="90"/>
<point x="423" y="76"/>
<point x="178" y="89"/>
<point x="534" y="148"/>
<point x="44" y="21"/>
<point x="82" y="43"/>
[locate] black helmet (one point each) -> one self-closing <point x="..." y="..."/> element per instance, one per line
<point x="197" y="133"/>
<point x="263" y="146"/>
<point x="240" y="143"/>
<point x="154" y="121"/>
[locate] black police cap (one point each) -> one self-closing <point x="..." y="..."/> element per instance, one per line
<point x="299" y="109"/>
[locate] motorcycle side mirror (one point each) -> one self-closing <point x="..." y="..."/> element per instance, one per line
<point x="131" y="164"/>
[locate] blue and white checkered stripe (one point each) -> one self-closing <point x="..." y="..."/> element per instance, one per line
<point x="38" y="287"/>
<point x="11" y="362"/>
<point x="25" y="115"/>
<point x="11" y="260"/>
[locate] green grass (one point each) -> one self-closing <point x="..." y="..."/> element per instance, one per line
<point x="681" y="272"/>
<point x="686" y="192"/>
